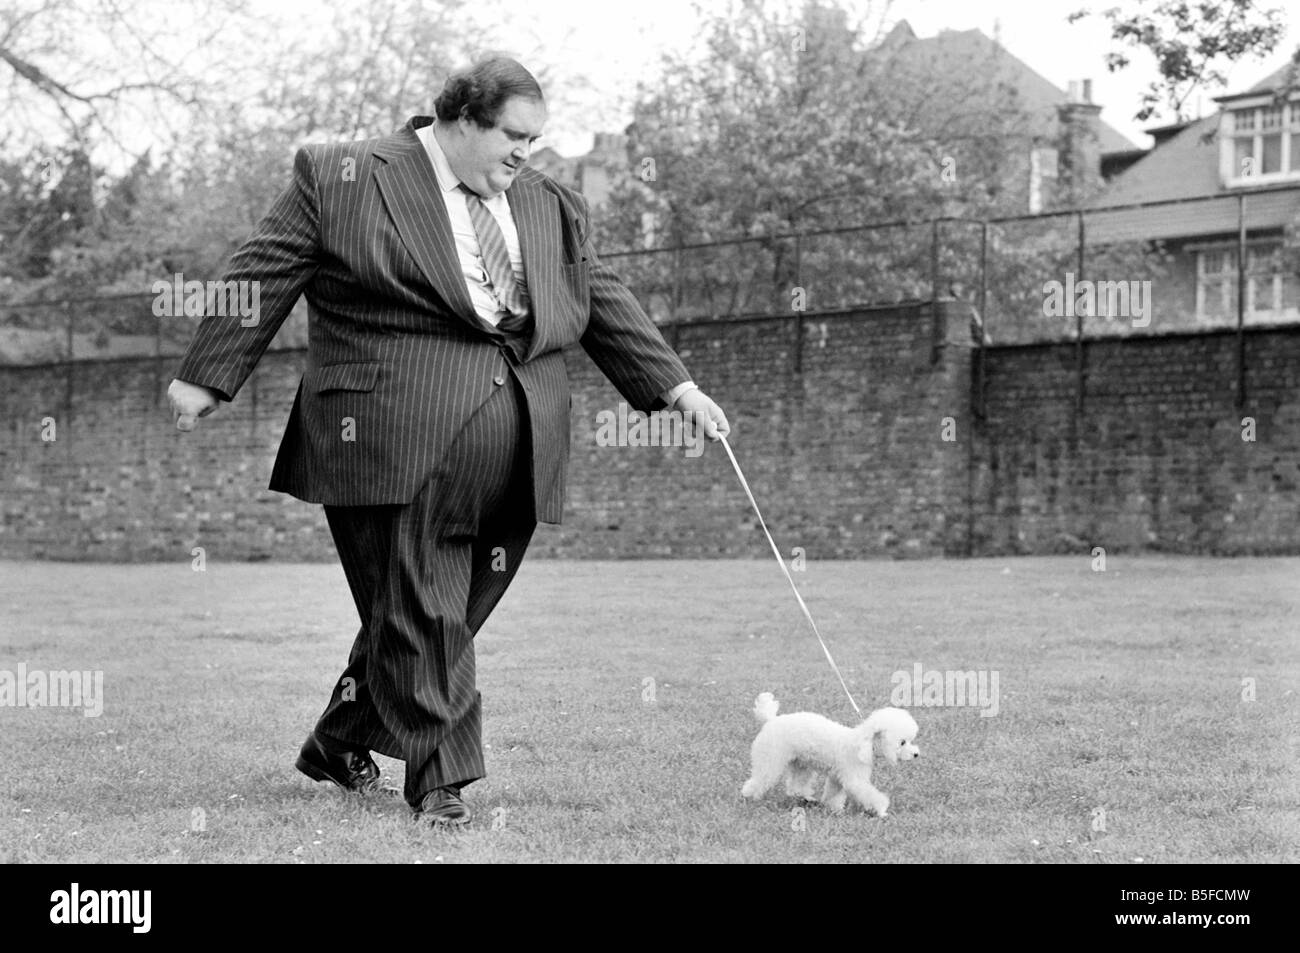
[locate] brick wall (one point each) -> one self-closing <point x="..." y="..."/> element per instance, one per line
<point x="840" y="429"/>
<point x="1155" y="459"/>
<point x="844" y="456"/>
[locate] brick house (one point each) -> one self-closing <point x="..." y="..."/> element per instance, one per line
<point x="1061" y="155"/>
<point x="594" y="173"/>
<point x="951" y="83"/>
<point x="1239" y="167"/>
<point x="1062" y="138"/>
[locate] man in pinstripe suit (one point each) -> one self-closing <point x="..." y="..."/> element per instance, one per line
<point x="443" y="278"/>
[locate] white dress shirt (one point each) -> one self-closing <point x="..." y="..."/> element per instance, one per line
<point x="467" y="250"/>
<point x="462" y="230"/>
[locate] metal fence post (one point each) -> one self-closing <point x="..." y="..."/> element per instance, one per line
<point x="983" y="318"/>
<point x="677" y="282"/>
<point x="935" y="336"/>
<point x="69" y="381"/>
<point x="1078" y="324"/>
<point x="803" y="301"/>
<point x="69" y="320"/>
<point x="1241" y="301"/>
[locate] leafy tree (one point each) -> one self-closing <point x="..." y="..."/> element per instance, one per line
<point x="44" y="201"/>
<point x="793" y="119"/>
<point x="1191" y="43"/>
<point x="89" y="72"/>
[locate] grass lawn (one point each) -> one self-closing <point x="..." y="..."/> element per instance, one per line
<point x="1125" y="732"/>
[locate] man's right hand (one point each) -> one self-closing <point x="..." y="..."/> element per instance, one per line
<point x="190" y="402"/>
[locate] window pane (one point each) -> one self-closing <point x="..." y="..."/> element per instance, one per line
<point x="1219" y="262"/>
<point x="1219" y="302"/>
<point x="1263" y="292"/>
<point x="1264" y="259"/>
<point x="1243" y="162"/>
<point x="1270" y="117"/>
<point x="1271" y="161"/>
<point x="1290" y="290"/>
<point x="1295" y="150"/>
<point x="1263" y="262"/>
<point x="1243" y="120"/>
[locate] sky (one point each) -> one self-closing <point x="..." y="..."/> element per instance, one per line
<point x="619" y="42"/>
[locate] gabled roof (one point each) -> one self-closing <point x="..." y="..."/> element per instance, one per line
<point x="1215" y="216"/>
<point x="1186" y="165"/>
<point x="956" y="52"/>
<point x="1266" y="85"/>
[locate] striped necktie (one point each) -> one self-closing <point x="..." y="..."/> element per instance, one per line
<point x="496" y="260"/>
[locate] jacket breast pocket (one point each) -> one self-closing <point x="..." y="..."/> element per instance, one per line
<point x="353" y="375"/>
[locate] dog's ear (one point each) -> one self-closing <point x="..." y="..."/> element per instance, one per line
<point x="865" y="749"/>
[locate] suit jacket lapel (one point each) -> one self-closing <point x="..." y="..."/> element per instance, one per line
<point x="414" y="200"/>
<point x="537" y="218"/>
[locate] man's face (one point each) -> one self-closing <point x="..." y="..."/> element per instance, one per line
<point x="490" y="158"/>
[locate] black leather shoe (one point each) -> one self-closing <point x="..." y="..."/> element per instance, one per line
<point x="442" y="806"/>
<point x="349" y="768"/>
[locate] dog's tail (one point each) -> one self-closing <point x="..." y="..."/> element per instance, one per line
<point x="765" y="706"/>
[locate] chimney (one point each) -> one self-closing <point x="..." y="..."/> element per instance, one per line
<point x="1080" y="149"/>
<point x="609" y="145"/>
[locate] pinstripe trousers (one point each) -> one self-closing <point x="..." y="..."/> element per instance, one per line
<point x="425" y="575"/>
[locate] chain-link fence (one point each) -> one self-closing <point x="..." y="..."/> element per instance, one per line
<point x="1195" y="264"/>
<point x="114" y="326"/>
<point x="1063" y="275"/>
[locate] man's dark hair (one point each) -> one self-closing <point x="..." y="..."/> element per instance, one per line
<point x="480" y="92"/>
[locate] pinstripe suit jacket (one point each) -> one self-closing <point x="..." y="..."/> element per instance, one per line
<point x="394" y="342"/>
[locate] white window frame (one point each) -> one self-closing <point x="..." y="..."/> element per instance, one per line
<point x="1288" y="127"/>
<point x="1274" y="279"/>
<point x="1201" y="284"/>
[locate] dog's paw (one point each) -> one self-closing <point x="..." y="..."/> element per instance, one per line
<point x="881" y="805"/>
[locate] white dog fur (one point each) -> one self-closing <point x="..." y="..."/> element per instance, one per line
<point x="797" y="747"/>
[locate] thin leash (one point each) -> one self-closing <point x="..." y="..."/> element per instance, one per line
<point x="781" y="562"/>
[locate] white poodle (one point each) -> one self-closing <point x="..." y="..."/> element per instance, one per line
<point x="795" y="747"/>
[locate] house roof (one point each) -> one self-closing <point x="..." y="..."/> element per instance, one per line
<point x="1186" y="166"/>
<point x="1215" y="216"/>
<point x="1269" y="83"/>
<point x="549" y="161"/>
<point x="954" y="52"/>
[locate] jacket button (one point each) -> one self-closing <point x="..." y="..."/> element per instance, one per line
<point x="498" y="380"/>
